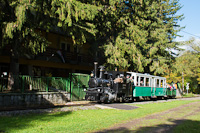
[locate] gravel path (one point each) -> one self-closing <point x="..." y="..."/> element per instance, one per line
<point x="160" y="122"/>
<point x="120" y="106"/>
<point x="49" y="110"/>
<point x="168" y="100"/>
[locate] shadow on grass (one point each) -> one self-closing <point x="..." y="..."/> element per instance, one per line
<point x="17" y="123"/>
<point x="118" y="130"/>
<point x="177" y="126"/>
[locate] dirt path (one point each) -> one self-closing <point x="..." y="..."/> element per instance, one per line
<point x="156" y="123"/>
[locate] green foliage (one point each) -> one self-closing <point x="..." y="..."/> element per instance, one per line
<point x="24" y="24"/>
<point x="135" y="35"/>
<point x="25" y="16"/>
<point x="188" y="65"/>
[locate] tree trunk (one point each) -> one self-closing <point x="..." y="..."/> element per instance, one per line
<point x="13" y="78"/>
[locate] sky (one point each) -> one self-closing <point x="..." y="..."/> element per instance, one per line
<point x="191" y="11"/>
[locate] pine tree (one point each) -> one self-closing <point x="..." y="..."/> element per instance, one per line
<point x="23" y="20"/>
<point x="138" y="32"/>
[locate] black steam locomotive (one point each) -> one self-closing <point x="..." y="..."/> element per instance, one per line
<point x="109" y="86"/>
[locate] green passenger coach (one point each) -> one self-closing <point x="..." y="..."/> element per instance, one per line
<point x="148" y="86"/>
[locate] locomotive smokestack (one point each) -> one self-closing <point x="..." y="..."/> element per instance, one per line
<point x="102" y="69"/>
<point x="95" y="69"/>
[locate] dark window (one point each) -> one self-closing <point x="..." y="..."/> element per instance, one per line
<point x="75" y="49"/>
<point x="63" y="46"/>
<point x="68" y="47"/>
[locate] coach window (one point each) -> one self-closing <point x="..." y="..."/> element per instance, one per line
<point x="162" y="83"/>
<point x="158" y="81"/>
<point x="147" y="82"/>
<point x="142" y="81"/>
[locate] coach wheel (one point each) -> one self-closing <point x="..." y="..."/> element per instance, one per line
<point x="137" y="99"/>
<point x="130" y="100"/>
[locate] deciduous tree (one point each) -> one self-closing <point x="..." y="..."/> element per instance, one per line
<point x="187" y="65"/>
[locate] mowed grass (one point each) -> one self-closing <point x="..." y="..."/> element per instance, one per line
<point x="190" y="125"/>
<point x="188" y="95"/>
<point x="80" y="121"/>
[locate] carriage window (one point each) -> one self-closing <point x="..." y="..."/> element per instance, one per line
<point x="147" y="82"/>
<point x="142" y="81"/>
<point x="157" y="85"/>
<point x="161" y="84"/>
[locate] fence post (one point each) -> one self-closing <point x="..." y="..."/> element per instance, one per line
<point x="66" y="83"/>
<point x="23" y="84"/>
<point x="71" y="86"/>
<point x="79" y="90"/>
<point x="47" y="86"/>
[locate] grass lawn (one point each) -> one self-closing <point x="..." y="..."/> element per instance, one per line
<point x="190" y="125"/>
<point x="188" y="95"/>
<point x="80" y="121"/>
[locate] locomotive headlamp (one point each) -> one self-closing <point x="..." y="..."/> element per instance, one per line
<point x="99" y="90"/>
<point x="92" y="74"/>
<point x="85" y="89"/>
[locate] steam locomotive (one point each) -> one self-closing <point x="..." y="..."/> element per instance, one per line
<point x="109" y="86"/>
<point x="116" y="86"/>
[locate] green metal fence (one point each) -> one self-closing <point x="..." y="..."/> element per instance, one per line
<point x="75" y="84"/>
<point x="3" y="83"/>
<point x="45" y="84"/>
<point x="37" y="84"/>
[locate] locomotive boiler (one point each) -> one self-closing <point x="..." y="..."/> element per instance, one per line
<point x="108" y="86"/>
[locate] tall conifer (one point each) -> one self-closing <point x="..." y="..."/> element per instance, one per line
<point x="23" y="20"/>
<point x="139" y="32"/>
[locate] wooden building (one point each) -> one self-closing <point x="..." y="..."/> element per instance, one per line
<point x="60" y="58"/>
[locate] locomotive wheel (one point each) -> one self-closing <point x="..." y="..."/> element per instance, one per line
<point x="127" y="100"/>
<point x="107" y="101"/>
